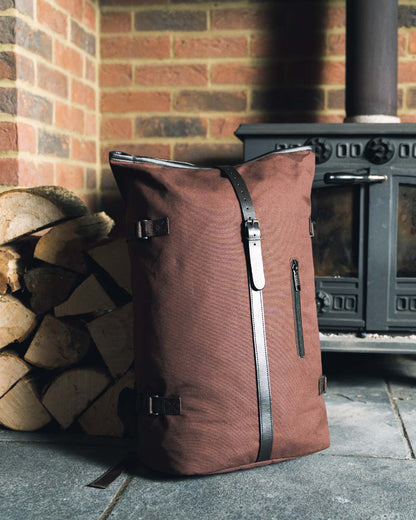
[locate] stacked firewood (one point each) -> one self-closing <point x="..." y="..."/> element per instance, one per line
<point x="66" y="346"/>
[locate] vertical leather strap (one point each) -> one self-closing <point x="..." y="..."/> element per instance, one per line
<point x="256" y="283"/>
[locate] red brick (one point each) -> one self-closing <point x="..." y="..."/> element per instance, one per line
<point x="262" y="46"/>
<point x="402" y="44"/>
<point x="240" y="18"/>
<point x="52" y="80"/>
<point x="116" y="75"/>
<point x="8" y="137"/>
<point x="238" y="73"/>
<point x="219" y="47"/>
<point x="26" y="137"/>
<point x="335" y="17"/>
<point x="83" y="150"/>
<point x="83" y="94"/>
<point x="412" y="42"/>
<point x="69" y="117"/>
<point x="90" y="70"/>
<point x="34" y="106"/>
<point x="82" y="38"/>
<point x="195" y="101"/>
<point x="52" y="18"/>
<point x="69" y="176"/>
<point x="324" y="118"/>
<point x="32" y="174"/>
<point x="336" y="44"/>
<point x="89" y="16"/>
<point x="74" y="7"/>
<point x="305" y="73"/>
<point x="407" y="118"/>
<point x="135" y="47"/>
<point x="336" y="99"/>
<point x="226" y="126"/>
<point x="206" y="153"/>
<point x="170" y="20"/>
<point x="52" y="143"/>
<point x="91" y="125"/>
<point x="68" y="58"/>
<point x="91" y="178"/>
<point x="407" y="72"/>
<point x="116" y="22"/>
<point x="9" y="172"/>
<point x="135" y="101"/>
<point x="171" y="75"/>
<point x="25" y="69"/>
<point x="8" y="65"/>
<point x="116" y="128"/>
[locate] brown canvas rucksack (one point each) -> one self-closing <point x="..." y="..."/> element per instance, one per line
<point x="228" y="360"/>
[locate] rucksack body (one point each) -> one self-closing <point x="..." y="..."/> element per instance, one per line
<point x="227" y="360"/>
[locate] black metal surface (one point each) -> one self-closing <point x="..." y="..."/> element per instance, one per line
<point x="369" y="289"/>
<point x="371" y="61"/>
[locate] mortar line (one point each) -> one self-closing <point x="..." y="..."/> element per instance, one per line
<point x="400" y="419"/>
<point x="109" y="509"/>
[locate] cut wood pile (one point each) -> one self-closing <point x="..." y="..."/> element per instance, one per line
<point x="66" y="345"/>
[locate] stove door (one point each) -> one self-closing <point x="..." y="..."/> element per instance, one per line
<point x="402" y="303"/>
<point x="338" y="214"/>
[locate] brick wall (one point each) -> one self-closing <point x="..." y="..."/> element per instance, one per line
<point x="175" y="79"/>
<point x="49" y="94"/>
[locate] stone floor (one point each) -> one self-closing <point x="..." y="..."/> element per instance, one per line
<point x="369" y="472"/>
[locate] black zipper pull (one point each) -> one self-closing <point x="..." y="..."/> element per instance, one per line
<point x="295" y="274"/>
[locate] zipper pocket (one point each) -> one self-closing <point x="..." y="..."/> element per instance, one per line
<point x="297" y="309"/>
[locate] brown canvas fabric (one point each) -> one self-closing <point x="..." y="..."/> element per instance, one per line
<point x="193" y="331"/>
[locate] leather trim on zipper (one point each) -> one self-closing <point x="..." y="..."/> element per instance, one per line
<point x="297" y="309"/>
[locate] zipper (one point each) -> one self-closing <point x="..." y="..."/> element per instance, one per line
<point x="136" y="159"/>
<point x="297" y="310"/>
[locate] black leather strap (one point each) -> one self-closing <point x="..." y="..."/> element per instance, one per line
<point x="256" y="283"/>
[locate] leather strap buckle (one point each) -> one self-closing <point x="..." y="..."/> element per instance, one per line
<point x="158" y="405"/>
<point x="150" y="410"/>
<point x="252" y="229"/>
<point x="147" y="228"/>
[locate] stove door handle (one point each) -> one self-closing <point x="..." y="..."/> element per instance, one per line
<point x="353" y="178"/>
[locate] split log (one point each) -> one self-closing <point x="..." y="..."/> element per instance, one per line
<point x="113" y="257"/>
<point x="12" y="368"/>
<point x="89" y="297"/>
<point x="102" y="418"/>
<point x="64" y="244"/>
<point x="16" y="321"/>
<point x="25" y="211"/>
<point x="49" y="286"/>
<point x="21" y="409"/>
<point x="57" y="344"/>
<point x="14" y="258"/>
<point x="73" y="391"/>
<point x="113" y="337"/>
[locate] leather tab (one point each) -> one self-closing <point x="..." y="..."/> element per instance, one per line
<point x="253" y="237"/>
<point x="322" y="385"/>
<point x="147" y="228"/>
<point x="157" y="405"/>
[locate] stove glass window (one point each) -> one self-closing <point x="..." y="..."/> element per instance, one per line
<point x="335" y="214"/>
<point x="406" y="231"/>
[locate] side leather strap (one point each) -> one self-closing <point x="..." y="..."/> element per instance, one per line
<point x="158" y="405"/>
<point x="146" y="228"/>
<point x="256" y="283"/>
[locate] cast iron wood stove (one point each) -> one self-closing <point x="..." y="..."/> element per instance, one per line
<point x="363" y="197"/>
